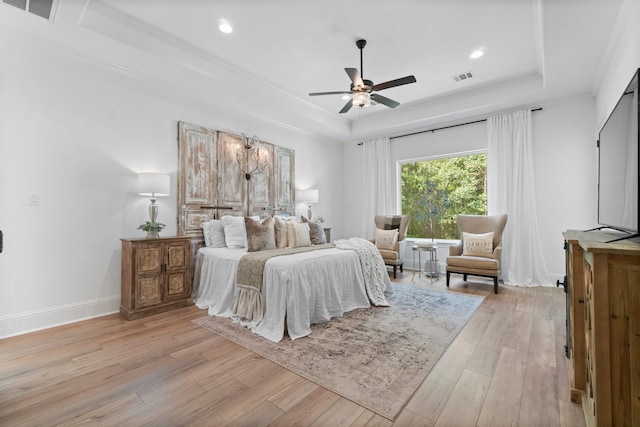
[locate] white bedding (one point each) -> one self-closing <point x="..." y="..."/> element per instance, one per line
<point x="304" y="288"/>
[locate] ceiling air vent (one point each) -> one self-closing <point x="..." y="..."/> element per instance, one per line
<point x="464" y="76"/>
<point x="42" y="8"/>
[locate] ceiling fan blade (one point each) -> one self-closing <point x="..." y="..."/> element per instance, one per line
<point x="394" y="83"/>
<point x="329" y="93"/>
<point x="354" y="75"/>
<point x="346" y="107"/>
<point x="384" y="100"/>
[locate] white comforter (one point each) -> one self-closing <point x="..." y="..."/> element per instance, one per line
<point x="306" y="288"/>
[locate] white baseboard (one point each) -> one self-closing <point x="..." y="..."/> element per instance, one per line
<point x="22" y="323"/>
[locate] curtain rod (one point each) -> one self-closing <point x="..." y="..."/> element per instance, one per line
<point x="444" y="127"/>
<point x="447" y="127"/>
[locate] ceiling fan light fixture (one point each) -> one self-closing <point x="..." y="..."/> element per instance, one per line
<point x="361" y="99"/>
<point x="360" y="91"/>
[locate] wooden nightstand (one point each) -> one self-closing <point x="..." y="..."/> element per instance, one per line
<point x="156" y="275"/>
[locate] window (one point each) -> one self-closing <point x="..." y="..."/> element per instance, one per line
<point x="435" y="191"/>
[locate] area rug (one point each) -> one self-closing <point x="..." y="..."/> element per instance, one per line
<point x="376" y="357"/>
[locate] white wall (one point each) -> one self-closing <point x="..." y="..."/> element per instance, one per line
<point x="622" y="61"/>
<point x="565" y="158"/>
<point x="566" y="174"/>
<point x="76" y="133"/>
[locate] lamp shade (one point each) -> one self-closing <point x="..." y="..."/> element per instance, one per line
<point x="309" y="196"/>
<point x="153" y="184"/>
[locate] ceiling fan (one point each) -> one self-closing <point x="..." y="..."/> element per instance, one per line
<point x="361" y="88"/>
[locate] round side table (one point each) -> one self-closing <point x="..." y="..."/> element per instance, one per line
<point x="431" y="267"/>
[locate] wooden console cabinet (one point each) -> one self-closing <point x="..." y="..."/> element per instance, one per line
<point x="604" y="324"/>
<point x="156" y="275"/>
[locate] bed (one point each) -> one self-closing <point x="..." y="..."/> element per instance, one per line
<point x="298" y="289"/>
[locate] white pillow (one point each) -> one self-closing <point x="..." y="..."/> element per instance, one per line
<point x="477" y="244"/>
<point x="386" y="239"/>
<point x="298" y="234"/>
<point x="235" y="234"/>
<point x="213" y="231"/>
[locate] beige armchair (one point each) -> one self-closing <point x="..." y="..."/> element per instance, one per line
<point x="393" y="257"/>
<point x="480" y="255"/>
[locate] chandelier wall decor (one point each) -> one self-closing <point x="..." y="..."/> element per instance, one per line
<point x="249" y="160"/>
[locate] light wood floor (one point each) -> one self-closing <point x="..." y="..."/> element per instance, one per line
<point x="507" y="367"/>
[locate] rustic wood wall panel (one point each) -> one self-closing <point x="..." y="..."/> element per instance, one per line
<point x="284" y="179"/>
<point x="197" y="177"/>
<point x="210" y="183"/>
<point x="261" y="195"/>
<point x="193" y="217"/>
<point x="231" y="186"/>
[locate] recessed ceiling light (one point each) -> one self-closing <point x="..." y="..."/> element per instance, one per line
<point x="346" y="97"/>
<point x="477" y="53"/>
<point x="225" y="26"/>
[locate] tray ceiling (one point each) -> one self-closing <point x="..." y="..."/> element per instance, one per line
<point x="281" y="50"/>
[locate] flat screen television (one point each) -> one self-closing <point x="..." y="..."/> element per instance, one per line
<point x="618" y="158"/>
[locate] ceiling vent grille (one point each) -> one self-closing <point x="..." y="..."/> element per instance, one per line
<point x="42" y="8"/>
<point x="464" y="76"/>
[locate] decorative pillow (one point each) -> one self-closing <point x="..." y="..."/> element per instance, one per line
<point x="260" y="235"/>
<point x="298" y="233"/>
<point x="213" y="231"/>
<point x="477" y="244"/>
<point x="386" y="239"/>
<point x="282" y="237"/>
<point x="396" y="222"/>
<point x="316" y="232"/>
<point x="235" y="234"/>
<point x="392" y="222"/>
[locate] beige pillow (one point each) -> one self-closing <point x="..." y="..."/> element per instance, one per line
<point x="298" y="234"/>
<point x="386" y="239"/>
<point x="282" y="236"/>
<point x="477" y="244"/>
<point x="260" y="235"/>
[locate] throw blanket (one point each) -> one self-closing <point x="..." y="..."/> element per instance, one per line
<point x="250" y="277"/>
<point x="374" y="271"/>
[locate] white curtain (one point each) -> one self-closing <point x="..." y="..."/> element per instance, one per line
<point x="377" y="183"/>
<point x="511" y="190"/>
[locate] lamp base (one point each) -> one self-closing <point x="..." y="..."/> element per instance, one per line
<point x="153" y="211"/>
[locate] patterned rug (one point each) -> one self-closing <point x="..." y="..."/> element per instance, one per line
<point x="377" y="356"/>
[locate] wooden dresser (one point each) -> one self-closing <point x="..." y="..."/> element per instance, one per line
<point x="156" y="275"/>
<point x="604" y="324"/>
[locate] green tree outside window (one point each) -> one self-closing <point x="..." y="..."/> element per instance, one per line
<point x="435" y="191"/>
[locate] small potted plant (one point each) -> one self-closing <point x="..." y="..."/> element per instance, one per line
<point x="152" y="228"/>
